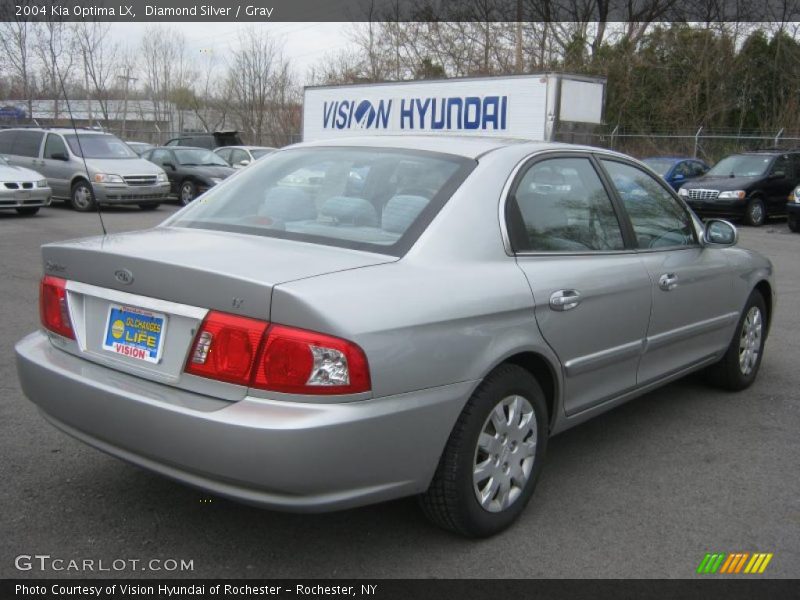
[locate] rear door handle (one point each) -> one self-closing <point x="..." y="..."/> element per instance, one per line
<point x="668" y="282"/>
<point x="565" y="300"/>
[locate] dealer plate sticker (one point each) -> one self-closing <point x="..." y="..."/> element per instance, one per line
<point x="135" y="333"/>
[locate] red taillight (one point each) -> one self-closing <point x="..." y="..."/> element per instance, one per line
<point x="225" y="348"/>
<point x="276" y="358"/>
<point x="54" y="307"/>
<point x="297" y="361"/>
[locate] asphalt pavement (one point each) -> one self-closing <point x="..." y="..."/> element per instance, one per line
<point x="642" y="491"/>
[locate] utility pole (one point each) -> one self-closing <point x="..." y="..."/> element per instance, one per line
<point x="519" y="37"/>
<point x="127" y="77"/>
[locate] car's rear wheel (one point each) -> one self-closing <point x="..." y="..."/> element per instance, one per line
<point x="794" y="223"/>
<point x="489" y="467"/>
<point x="151" y="206"/>
<point x="28" y="210"/>
<point x="82" y="198"/>
<point x="187" y="192"/>
<point x="755" y="214"/>
<point x="739" y="366"/>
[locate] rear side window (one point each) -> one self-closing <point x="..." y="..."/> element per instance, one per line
<point x="7" y="141"/>
<point x="27" y="143"/>
<point x="560" y="205"/>
<point x="362" y="198"/>
<point x="658" y="219"/>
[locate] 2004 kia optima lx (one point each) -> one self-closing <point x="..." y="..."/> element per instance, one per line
<point x="352" y="321"/>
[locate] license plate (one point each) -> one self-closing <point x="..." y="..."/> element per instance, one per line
<point x="135" y="333"/>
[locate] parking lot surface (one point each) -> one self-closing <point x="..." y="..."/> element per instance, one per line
<point x="642" y="491"/>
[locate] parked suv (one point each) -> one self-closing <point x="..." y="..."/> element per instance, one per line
<point x="86" y="167"/>
<point x="751" y="186"/>
<point x="207" y="140"/>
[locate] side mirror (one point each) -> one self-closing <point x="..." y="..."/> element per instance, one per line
<point x="168" y="165"/>
<point x="58" y="156"/>
<point x="720" y="233"/>
<point x="244" y="162"/>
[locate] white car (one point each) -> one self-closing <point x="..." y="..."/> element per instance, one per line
<point x="241" y="156"/>
<point x="22" y="189"/>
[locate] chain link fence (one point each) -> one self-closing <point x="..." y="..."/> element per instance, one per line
<point x="709" y="146"/>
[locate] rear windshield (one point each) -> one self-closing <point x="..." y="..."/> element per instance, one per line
<point x="659" y="165"/>
<point x="192" y="157"/>
<point x="261" y="152"/>
<point x="363" y="198"/>
<point x="99" y="146"/>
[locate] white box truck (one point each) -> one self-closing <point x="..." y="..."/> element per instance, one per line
<point x="541" y="107"/>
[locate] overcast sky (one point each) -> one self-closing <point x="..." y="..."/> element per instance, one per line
<point x="305" y="43"/>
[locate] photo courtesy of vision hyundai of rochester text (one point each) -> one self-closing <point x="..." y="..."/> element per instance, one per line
<point x="352" y="320"/>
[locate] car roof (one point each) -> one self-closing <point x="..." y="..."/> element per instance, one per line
<point x="180" y="148"/>
<point x="80" y="130"/>
<point x="672" y="158"/>
<point x="461" y="145"/>
<point x="246" y="148"/>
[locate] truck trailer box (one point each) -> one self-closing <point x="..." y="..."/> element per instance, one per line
<point x="537" y="107"/>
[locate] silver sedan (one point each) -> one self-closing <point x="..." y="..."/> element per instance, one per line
<point x="353" y="321"/>
<point x="23" y="190"/>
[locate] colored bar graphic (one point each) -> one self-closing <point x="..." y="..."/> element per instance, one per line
<point x="734" y="563"/>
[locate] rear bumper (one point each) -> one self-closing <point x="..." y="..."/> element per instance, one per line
<point x="131" y="194"/>
<point x="285" y="455"/>
<point x="24" y="198"/>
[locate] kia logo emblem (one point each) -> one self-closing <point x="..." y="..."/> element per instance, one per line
<point x="124" y="276"/>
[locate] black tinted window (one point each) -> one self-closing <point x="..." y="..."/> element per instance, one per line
<point x="563" y="206"/>
<point x="27" y="143"/>
<point x="7" y="141"/>
<point x="658" y="219"/>
<point x="54" y="145"/>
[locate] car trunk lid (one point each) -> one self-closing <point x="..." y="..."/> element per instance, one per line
<point x="167" y="279"/>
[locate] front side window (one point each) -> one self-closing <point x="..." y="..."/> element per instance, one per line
<point x="99" y="146"/>
<point x="362" y="198"/>
<point x="55" y="146"/>
<point x="658" y="219"/>
<point x="563" y="207"/>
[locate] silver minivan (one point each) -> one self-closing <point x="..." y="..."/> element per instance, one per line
<point x="86" y="167"/>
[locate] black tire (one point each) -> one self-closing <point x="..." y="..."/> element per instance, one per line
<point x="729" y="373"/>
<point x="794" y="223"/>
<point x="187" y="192"/>
<point x="27" y="211"/>
<point x="451" y="500"/>
<point x="152" y="206"/>
<point x="82" y="197"/>
<point x="755" y="213"/>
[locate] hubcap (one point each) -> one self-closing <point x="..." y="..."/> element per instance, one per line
<point x="187" y="194"/>
<point x="750" y="341"/>
<point x="756" y="212"/>
<point x="505" y="454"/>
<point x="82" y="197"/>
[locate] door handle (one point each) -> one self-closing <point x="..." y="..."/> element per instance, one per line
<point x="668" y="282"/>
<point x="565" y="300"/>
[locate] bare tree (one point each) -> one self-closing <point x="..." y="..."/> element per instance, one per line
<point x="99" y="57"/>
<point x="55" y="48"/>
<point x="165" y="68"/>
<point x="261" y="87"/>
<point x="16" y="43"/>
